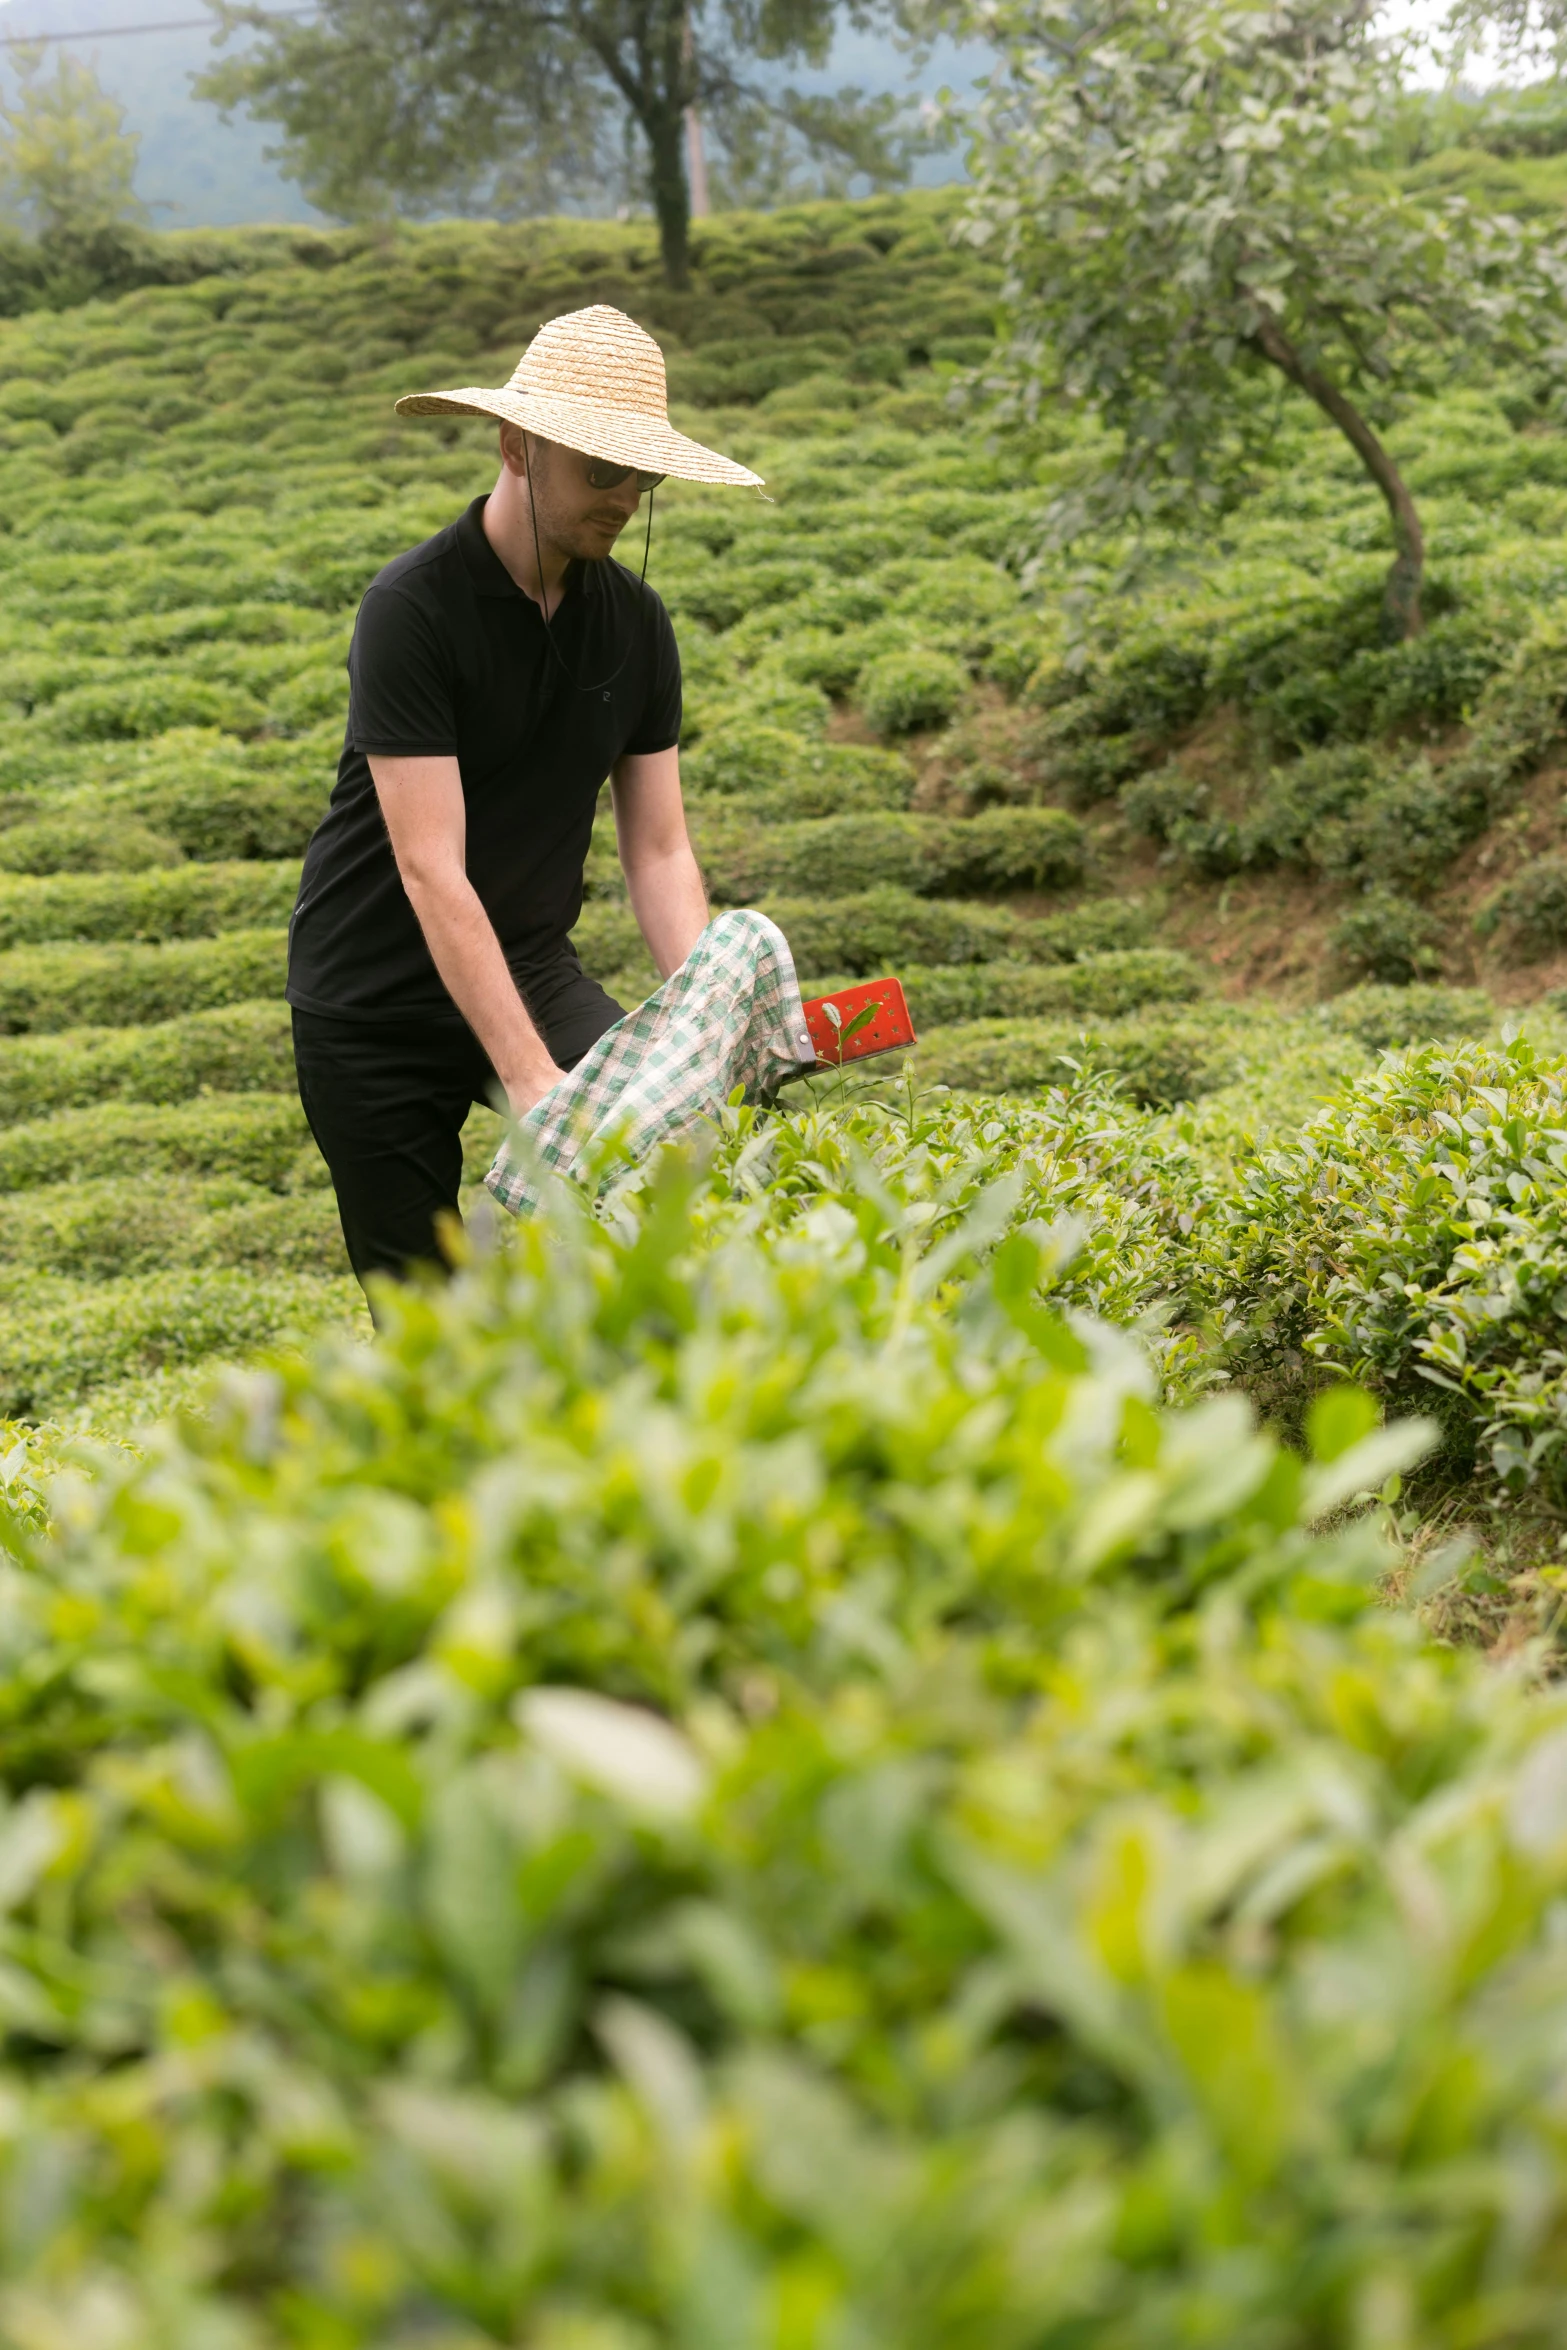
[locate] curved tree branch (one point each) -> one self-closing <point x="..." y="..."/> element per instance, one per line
<point x="1402" y="593"/>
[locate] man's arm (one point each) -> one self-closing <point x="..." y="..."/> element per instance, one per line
<point x="662" y="880"/>
<point x="422" y="802"/>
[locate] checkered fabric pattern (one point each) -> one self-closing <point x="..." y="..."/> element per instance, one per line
<point x="729" y="1016"/>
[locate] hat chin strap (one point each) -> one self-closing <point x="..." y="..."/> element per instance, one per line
<point x="538" y="559"/>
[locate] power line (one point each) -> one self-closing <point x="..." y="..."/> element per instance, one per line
<point x="120" y="32"/>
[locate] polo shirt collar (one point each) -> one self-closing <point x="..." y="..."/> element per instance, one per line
<point x="489" y="574"/>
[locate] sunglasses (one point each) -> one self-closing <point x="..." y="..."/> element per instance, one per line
<point x="604" y="476"/>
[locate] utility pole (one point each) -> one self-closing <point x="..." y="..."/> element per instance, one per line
<point x="696" y="164"/>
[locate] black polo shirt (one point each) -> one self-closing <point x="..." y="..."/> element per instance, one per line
<point x="449" y="657"/>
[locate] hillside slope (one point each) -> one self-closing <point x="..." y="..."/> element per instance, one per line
<point x="1063" y="811"/>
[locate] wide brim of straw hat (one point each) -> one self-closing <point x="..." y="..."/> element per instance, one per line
<point x="599" y="428"/>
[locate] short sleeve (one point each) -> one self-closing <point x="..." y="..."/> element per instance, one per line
<point x="658" y="728"/>
<point x="400" y="698"/>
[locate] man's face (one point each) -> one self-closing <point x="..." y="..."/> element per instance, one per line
<point x="579" y="520"/>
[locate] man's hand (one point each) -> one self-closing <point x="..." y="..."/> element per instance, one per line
<point x="662" y="878"/>
<point x="524" y="1092"/>
<point x="422" y="802"/>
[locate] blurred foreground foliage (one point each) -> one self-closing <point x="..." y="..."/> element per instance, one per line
<point x="738" y="1778"/>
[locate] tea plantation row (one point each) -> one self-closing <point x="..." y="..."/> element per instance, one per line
<point x="196" y="480"/>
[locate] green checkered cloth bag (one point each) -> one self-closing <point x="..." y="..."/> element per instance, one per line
<point x="729" y="1016"/>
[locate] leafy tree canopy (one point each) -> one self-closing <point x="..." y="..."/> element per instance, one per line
<point x="515" y="106"/>
<point x="1182" y="194"/>
<point x="67" y="163"/>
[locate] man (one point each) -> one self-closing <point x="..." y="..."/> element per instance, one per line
<point x="497" y="675"/>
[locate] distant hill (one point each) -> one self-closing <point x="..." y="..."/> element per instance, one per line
<point x="199" y="172"/>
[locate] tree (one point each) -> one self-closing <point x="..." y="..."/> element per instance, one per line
<point x="1182" y="193"/>
<point x="67" y="163"/>
<point x="1531" y="34"/>
<point x="512" y="106"/>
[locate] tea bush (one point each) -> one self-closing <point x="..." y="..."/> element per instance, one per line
<point x="262" y="1137"/>
<point x="1388" y="938"/>
<point x="887" y="927"/>
<point x="1001" y="849"/>
<point x="956" y="1926"/>
<point x="1348" y="803"/>
<point x="1159" y="1060"/>
<point x="102" y="1228"/>
<point x="904" y="691"/>
<point x="83" y="844"/>
<point x="138" y="707"/>
<point x="1531" y="909"/>
<point x="712" y="706"/>
<point x="776" y="773"/>
<point x="1286" y="1069"/>
<point x="998" y="850"/>
<point x="1099" y="926"/>
<point x="1106" y="985"/>
<point x="1350" y="811"/>
<point x="241" y="1048"/>
<point x="192" y="901"/>
<point x="1410" y="1013"/>
<point x="216" y="798"/>
<point x="1411" y="1236"/>
<point x="76" y="986"/>
<point x="56" y="1349"/>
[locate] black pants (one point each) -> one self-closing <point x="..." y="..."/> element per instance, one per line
<point x="386" y="1105"/>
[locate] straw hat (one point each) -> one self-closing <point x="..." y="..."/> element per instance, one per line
<point x="595" y="381"/>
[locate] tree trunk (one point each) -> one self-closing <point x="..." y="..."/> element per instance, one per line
<point x="671" y="192"/>
<point x="646" y="52"/>
<point x="1401" y="596"/>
